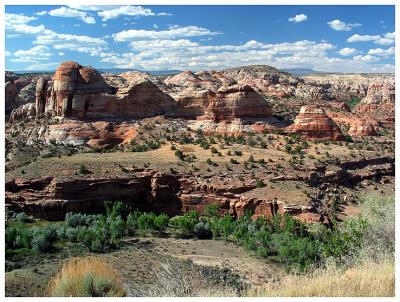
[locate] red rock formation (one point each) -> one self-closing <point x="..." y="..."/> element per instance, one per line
<point x="49" y="198"/>
<point x="313" y="123"/>
<point x="93" y="134"/>
<point x="361" y="128"/>
<point x="227" y="104"/>
<point x="11" y="97"/>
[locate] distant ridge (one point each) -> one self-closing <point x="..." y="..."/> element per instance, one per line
<point x="302" y="71"/>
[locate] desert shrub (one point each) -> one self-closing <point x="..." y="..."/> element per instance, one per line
<point x="179" y="154"/>
<point x="202" y="230"/>
<point x="17" y="236"/>
<point x="296" y="252"/>
<point x="161" y="222"/>
<point x="212" y="210"/>
<point x="115" y="208"/>
<point x="343" y="242"/>
<point x="213" y="150"/>
<point x="260" y="183"/>
<point x="379" y="236"/>
<point x="132" y="221"/>
<point x="74" y="220"/>
<point x="116" y="230"/>
<point x="184" y="225"/>
<point x="43" y="238"/>
<point x="72" y="234"/>
<point x="146" y="222"/>
<point x="86" y="277"/>
<point x="226" y="226"/>
<point x="215" y="227"/>
<point x="22" y="217"/>
<point x="93" y="238"/>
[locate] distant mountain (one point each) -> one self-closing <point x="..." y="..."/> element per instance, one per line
<point x="152" y="72"/>
<point x="301" y="71"/>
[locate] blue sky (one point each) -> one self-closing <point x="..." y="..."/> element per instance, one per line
<point x="327" y="38"/>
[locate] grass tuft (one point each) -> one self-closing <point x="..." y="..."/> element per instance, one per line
<point x="86" y="277"/>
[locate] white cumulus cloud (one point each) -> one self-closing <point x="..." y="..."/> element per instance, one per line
<point x="347" y="51"/>
<point x="298" y="18"/>
<point x="386" y="39"/>
<point x="66" y="12"/>
<point x="342" y="26"/>
<point x="172" y="32"/>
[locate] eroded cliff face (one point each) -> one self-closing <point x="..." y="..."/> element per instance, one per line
<point x="230" y="101"/>
<point x="174" y="193"/>
<point x="313" y="123"/>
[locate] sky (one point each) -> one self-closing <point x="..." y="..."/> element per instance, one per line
<point x="325" y="38"/>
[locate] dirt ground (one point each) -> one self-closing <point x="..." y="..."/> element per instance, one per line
<point x="139" y="260"/>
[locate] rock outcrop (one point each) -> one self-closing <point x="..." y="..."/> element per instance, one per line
<point x="11" y="97"/>
<point x="27" y="94"/>
<point x="361" y="128"/>
<point x="24" y="112"/>
<point x="313" y="123"/>
<point x="379" y="93"/>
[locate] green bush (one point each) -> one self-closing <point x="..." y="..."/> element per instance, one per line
<point x="72" y="234"/>
<point x="212" y="210"/>
<point x="184" y="225"/>
<point x="43" y="238"/>
<point x="146" y="222"/>
<point x="161" y="222"/>
<point x="22" y="217"/>
<point x="345" y="240"/>
<point x="132" y="222"/>
<point x="18" y="236"/>
<point x="74" y="220"/>
<point x="226" y="226"/>
<point x="202" y="230"/>
<point x="260" y="183"/>
<point x="296" y="252"/>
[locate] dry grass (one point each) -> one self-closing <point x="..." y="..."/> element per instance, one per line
<point x="368" y="280"/>
<point x="86" y="277"/>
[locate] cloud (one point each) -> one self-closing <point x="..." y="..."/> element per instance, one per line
<point x="46" y="37"/>
<point x="116" y="11"/>
<point x="298" y="18"/>
<point x="342" y="26"/>
<point x="7" y="53"/>
<point x="172" y="32"/>
<point x="66" y="12"/>
<point x="382" y="52"/>
<point x="366" y="58"/>
<point x="347" y="51"/>
<point x="386" y="39"/>
<point x="42" y="66"/>
<point x="37" y="53"/>
<point x="183" y="53"/>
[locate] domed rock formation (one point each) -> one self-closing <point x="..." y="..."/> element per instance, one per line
<point x="81" y="92"/>
<point x="313" y="123"/>
<point x="361" y="128"/>
<point x="227" y="104"/>
<point x="11" y="97"/>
